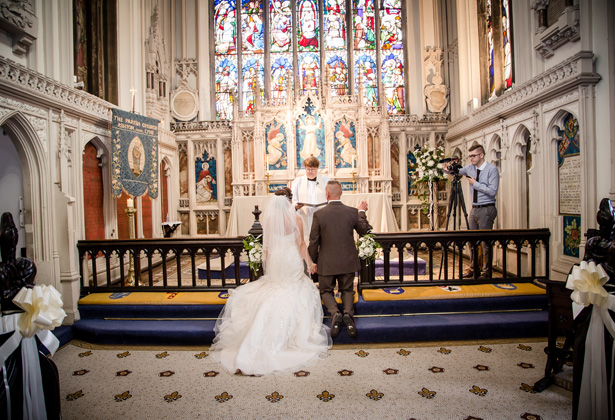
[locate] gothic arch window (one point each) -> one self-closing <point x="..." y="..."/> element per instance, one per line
<point x="274" y="47"/>
<point x="496" y="49"/>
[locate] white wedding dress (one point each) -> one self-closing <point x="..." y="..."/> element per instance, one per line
<point x="273" y="324"/>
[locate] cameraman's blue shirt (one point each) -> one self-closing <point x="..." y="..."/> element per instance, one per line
<point x="488" y="182"/>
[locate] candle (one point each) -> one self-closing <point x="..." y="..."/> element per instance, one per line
<point x="130" y="202"/>
<point x="133" y="91"/>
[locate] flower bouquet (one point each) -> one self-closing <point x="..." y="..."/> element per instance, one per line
<point x="368" y="248"/>
<point x="254" y="248"/>
<point x="428" y="171"/>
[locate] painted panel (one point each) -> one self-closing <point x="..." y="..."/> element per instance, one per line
<point x="345" y="144"/>
<point x="206" y="179"/>
<point x="276" y="145"/>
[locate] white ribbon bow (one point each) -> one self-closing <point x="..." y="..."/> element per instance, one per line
<point x="587" y="281"/>
<point x="43" y="309"/>
<point x="43" y="312"/>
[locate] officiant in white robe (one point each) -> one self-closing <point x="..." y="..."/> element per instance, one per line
<point x="309" y="189"/>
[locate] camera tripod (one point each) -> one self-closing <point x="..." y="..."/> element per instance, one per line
<point x="454" y="201"/>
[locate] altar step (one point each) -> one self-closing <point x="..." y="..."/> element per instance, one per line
<point x="377" y="322"/>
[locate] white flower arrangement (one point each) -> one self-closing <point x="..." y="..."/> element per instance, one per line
<point x="428" y="171"/>
<point x="428" y="166"/>
<point x="254" y="248"/>
<point x="368" y="248"/>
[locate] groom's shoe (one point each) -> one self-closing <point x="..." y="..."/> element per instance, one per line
<point x="336" y="324"/>
<point x="350" y="327"/>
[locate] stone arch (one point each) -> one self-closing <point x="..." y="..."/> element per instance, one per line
<point x="109" y="207"/>
<point x="521" y="174"/>
<point x="37" y="186"/>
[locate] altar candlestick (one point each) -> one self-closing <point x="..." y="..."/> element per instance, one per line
<point x="133" y="91"/>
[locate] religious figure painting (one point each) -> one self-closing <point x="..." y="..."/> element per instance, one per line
<point x="281" y="29"/>
<point x="393" y="80"/>
<point x="309" y="71"/>
<point x="307" y="28"/>
<point x="224" y="21"/>
<point x="337" y="72"/>
<point x="277" y="156"/>
<point x="310" y="138"/>
<point x="206" y="179"/>
<point x="335" y="27"/>
<point x="364" y="25"/>
<point x="281" y="67"/>
<point x="345" y="144"/>
<point x="253" y="68"/>
<point x="136" y="157"/>
<point x="365" y="73"/>
<point x="226" y="85"/>
<point x="252" y="26"/>
<point x="390" y="25"/>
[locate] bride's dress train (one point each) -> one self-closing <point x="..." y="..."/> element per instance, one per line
<point x="275" y="323"/>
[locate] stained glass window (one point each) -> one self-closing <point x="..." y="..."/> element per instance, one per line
<point x="367" y="37"/>
<point x="490" y="49"/>
<point x="226" y="57"/>
<point x="506" y="44"/>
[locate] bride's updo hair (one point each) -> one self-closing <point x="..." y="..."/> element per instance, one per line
<point x="285" y="191"/>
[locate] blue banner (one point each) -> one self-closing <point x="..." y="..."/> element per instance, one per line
<point x="134" y="156"/>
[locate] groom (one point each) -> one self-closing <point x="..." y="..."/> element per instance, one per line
<point x="333" y="251"/>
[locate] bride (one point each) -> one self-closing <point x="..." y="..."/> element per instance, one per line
<point x="275" y="323"/>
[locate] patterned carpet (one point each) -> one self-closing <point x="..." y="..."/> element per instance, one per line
<point x="488" y="380"/>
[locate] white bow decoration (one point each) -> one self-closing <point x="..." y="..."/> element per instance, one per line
<point x="43" y="312"/>
<point x="43" y="309"/>
<point x="587" y="281"/>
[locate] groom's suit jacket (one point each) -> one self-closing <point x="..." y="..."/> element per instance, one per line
<point x="332" y="245"/>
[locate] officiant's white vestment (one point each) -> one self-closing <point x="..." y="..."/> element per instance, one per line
<point x="310" y="192"/>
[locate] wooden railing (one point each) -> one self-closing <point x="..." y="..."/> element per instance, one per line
<point x="518" y="255"/>
<point x="173" y="265"/>
<point x="105" y="265"/>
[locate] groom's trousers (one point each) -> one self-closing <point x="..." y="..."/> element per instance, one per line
<point x="326" y="285"/>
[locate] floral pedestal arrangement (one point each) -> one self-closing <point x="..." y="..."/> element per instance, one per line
<point x="428" y="172"/>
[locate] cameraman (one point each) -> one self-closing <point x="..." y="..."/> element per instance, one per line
<point x="484" y="180"/>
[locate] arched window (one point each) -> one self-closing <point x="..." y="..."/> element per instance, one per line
<point x="308" y="43"/>
<point x="495" y="26"/>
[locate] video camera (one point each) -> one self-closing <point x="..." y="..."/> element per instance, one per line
<point x="454" y="166"/>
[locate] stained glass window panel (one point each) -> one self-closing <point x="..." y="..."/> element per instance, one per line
<point x="226" y="85"/>
<point x="281" y="71"/>
<point x="309" y="72"/>
<point x="307" y="25"/>
<point x="337" y="72"/>
<point x="390" y="25"/>
<point x="335" y="24"/>
<point x="490" y="48"/>
<point x="365" y="73"/>
<point x="280" y="18"/>
<point x="507" y="45"/>
<point x="225" y="30"/>
<point x="393" y="80"/>
<point x="253" y="68"/>
<point x="252" y="30"/>
<point x="364" y="25"/>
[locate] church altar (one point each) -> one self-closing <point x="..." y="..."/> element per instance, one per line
<point x="379" y="211"/>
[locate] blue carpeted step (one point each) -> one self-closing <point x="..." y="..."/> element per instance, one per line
<point x="448" y="327"/>
<point x="387" y="307"/>
<point x="384" y="329"/>
<point x="144" y="332"/>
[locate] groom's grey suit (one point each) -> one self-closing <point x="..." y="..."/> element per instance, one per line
<point x="332" y="249"/>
